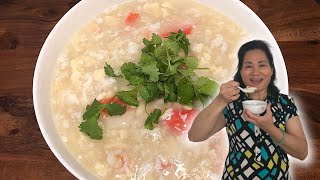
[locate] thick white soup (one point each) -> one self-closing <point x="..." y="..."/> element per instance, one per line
<point x="127" y="149"/>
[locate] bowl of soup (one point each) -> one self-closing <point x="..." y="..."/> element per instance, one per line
<point x="108" y="111"/>
<point x="255" y="106"/>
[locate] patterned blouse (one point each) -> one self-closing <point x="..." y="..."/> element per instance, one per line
<point x="252" y="152"/>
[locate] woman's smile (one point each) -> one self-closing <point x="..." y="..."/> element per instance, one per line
<point x="256" y="81"/>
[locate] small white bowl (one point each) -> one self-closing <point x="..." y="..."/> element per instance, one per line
<point x="255" y="106"/>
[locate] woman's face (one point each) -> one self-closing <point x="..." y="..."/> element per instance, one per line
<point x="256" y="70"/>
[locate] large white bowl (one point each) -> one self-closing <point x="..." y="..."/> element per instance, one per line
<point x="85" y="11"/>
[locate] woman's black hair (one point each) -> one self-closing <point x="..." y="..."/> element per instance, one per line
<point x="272" y="91"/>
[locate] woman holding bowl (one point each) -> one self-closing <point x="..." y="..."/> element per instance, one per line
<point x="258" y="144"/>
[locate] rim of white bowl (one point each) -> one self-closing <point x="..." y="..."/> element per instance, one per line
<point x="36" y="84"/>
<point x="254" y="102"/>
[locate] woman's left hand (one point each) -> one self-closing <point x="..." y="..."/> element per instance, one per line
<point x="265" y="122"/>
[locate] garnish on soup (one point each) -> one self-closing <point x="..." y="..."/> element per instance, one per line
<point x="90" y="124"/>
<point x="165" y="71"/>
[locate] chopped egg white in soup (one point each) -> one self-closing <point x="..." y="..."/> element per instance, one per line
<point x="125" y="148"/>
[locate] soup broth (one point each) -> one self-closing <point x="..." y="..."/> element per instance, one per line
<point x="128" y="150"/>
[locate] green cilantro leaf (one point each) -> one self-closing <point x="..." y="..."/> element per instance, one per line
<point x="132" y="73"/>
<point x="149" y="92"/>
<point x="185" y="91"/>
<point x="207" y="86"/>
<point x="95" y="108"/>
<point x="171" y="45"/>
<point x="90" y="124"/>
<point x="170" y="91"/>
<point x="146" y="42"/>
<point x="181" y="39"/>
<point x="91" y="128"/>
<point x="161" y="53"/>
<point x="204" y="99"/>
<point x="156" y="39"/>
<point x="129" y="97"/>
<point x="191" y="62"/>
<point x="146" y="58"/>
<point x="176" y="58"/>
<point x="115" y="109"/>
<point x="109" y="71"/>
<point x="172" y="69"/>
<point x="160" y="86"/>
<point x="149" y="46"/>
<point x="135" y="80"/>
<point x="153" y="118"/>
<point x="151" y="70"/>
<point x="188" y="72"/>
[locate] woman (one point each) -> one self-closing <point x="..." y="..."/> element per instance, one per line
<point x="258" y="144"/>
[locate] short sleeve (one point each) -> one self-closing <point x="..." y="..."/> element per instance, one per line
<point x="225" y="112"/>
<point x="231" y="111"/>
<point x="289" y="107"/>
<point x="228" y="112"/>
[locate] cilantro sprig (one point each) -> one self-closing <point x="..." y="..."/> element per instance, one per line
<point x="152" y="119"/>
<point x="90" y="124"/>
<point x="163" y="72"/>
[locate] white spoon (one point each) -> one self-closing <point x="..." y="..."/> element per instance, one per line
<point x="248" y="89"/>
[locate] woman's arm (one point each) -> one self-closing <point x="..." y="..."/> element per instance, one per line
<point x="211" y="119"/>
<point x="208" y="121"/>
<point x="295" y="143"/>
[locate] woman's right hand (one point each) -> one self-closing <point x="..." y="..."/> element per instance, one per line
<point x="229" y="91"/>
